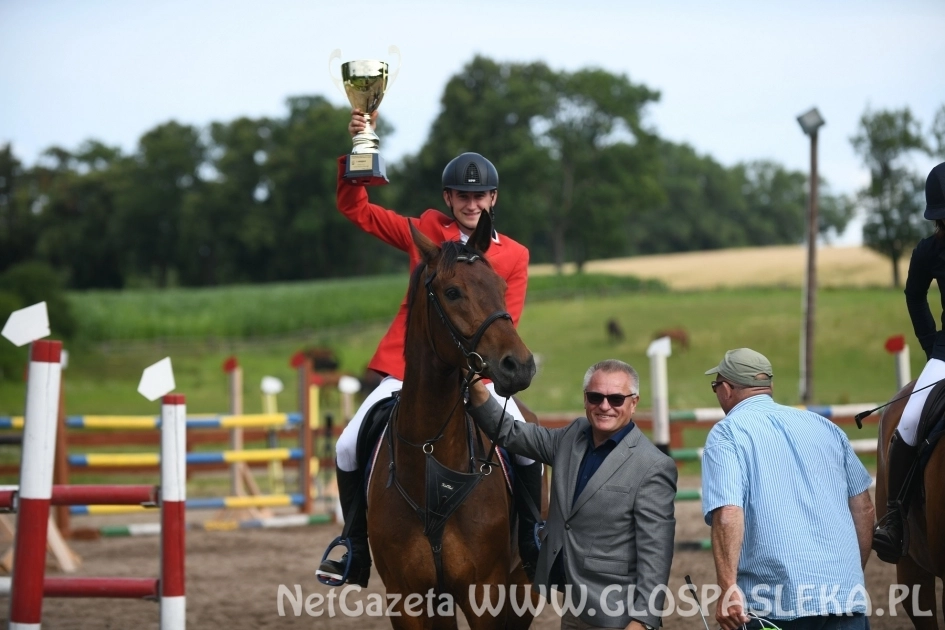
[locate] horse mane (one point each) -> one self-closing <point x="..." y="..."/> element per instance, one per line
<point x="450" y="254"/>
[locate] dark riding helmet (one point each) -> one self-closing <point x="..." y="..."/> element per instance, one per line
<point x="470" y="172"/>
<point x="935" y="193"/>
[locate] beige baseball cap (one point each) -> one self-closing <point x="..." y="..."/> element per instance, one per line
<point x="742" y="365"/>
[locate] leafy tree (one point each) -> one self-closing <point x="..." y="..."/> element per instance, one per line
<point x="884" y="140"/>
<point x="19" y="225"/>
<point x="34" y="282"/>
<point x="81" y="228"/>
<point x="938" y="133"/>
<point x="702" y="208"/>
<point x="596" y="135"/>
<point x="12" y="359"/>
<point x="154" y="184"/>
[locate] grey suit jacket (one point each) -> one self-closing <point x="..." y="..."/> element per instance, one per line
<point x="617" y="537"/>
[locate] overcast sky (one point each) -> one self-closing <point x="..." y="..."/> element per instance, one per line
<point x="733" y="75"/>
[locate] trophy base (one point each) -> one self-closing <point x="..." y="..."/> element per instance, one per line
<point x="365" y="169"/>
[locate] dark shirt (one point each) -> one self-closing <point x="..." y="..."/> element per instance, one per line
<point x="593" y="458"/>
<point x="927" y="264"/>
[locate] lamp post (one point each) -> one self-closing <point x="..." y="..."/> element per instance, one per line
<point x="810" y="122"/>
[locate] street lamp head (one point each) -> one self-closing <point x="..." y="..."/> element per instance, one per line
<point x="811" y="121"/>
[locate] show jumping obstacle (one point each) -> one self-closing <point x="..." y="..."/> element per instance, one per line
<point x="32" y="500"/>
<point x="247" y="506"/>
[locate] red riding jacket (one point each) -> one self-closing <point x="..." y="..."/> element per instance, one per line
<point x="507" y="257"/>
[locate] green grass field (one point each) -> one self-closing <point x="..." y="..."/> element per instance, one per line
<point x="564" y="326"/>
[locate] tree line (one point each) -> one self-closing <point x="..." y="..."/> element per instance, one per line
<point x="253" y="199"/>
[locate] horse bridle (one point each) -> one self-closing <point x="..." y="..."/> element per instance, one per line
<point x="474" y="361"/>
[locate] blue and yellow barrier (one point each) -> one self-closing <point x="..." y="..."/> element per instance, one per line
<point x="211" y="503"/>
<point x="98" y="460"/>
<point x="144" y="423"/>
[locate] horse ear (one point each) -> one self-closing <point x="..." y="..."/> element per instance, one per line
<point x="481" y="238"/>
<point x="427" y="248"/>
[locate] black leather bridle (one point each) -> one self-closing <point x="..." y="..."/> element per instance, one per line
<point x="474" y="360"/>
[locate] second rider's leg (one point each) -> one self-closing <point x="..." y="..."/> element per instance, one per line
<point x="888" y="539"/>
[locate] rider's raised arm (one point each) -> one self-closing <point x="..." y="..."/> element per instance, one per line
<point x="385" y="224"/>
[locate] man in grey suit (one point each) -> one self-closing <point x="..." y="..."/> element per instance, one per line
<point x="610" y="524"/>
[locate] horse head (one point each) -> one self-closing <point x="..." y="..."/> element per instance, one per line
<point x="467" y="324"/>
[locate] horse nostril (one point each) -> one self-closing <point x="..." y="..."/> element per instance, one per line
<point x="509" y="365"/>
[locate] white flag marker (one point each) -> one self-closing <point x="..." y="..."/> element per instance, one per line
<point x="349" y="385"/>
<point x="157" y="380"/>
<point x="271" y="385"/>
<point x="27" y="325"/>
<point x="661" y="347"/>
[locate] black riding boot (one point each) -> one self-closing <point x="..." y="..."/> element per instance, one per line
<point x="528" y="481"/>
<point x="354" y="510"/>
<point x="888" y="536"/>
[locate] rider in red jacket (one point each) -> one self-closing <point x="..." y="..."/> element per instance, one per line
<point x="470" y="187"/>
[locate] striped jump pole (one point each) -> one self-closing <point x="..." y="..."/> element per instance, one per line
<point x="897" y="346"/>
<point x="101" y="460"/>
<point x="36" y="468"/>
<point x="657" y="351"/>
<point x="173" y="505"/>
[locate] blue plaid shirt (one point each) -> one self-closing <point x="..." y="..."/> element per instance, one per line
<point x="792" y="472"/>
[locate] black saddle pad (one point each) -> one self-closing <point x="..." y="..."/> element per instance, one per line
<point x="372" y="428"/>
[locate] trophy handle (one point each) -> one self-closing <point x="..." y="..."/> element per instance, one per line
<point x="393" y="50"/>
<point x="335" y="54"/>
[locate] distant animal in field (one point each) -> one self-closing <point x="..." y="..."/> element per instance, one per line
<point x="678" y="335"/>
<point x="614" y="331"/>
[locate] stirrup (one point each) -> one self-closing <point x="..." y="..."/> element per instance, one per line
<point x="885" y="547"/>
<point x="539" y="528"/>
<point x="332" y="579"/>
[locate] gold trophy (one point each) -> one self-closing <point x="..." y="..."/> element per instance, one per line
<point x="364" y="83"/>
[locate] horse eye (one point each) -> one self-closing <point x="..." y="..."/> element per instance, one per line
<point x="453" y="293"/>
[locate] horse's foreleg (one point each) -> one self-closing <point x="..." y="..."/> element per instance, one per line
<point x="403" y="615"/>
<point x="486" y="605"/>
<point x="920" y="608"/>
<point x="522" y="604"/>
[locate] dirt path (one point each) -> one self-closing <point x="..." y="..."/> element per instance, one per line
<point x="233" y="579"/>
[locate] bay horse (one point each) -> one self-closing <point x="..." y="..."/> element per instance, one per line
<point x="926" y="520"/>
<point x="456" y="321"/>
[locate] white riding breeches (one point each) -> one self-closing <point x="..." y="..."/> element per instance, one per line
<point x="933" y="371"/>
<point x="346" y="448"/>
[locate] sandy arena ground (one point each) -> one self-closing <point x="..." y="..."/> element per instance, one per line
<point x="233" y="578"/>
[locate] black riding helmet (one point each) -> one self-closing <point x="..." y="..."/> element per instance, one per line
<point x="934" y="193"/>
<point x="470" y="172"/>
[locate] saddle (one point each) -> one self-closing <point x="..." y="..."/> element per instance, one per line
<point x="931" y="425"/>
<point x="371" y="431"/>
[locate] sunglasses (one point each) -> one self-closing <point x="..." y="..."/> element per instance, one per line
<point x="615" y="400"/>
<point x="715" y="385"/>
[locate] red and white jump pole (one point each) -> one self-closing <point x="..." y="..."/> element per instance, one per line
<point x="36" y="469"/>
<point x="897" y="346"/>
<point x="173" y="499"/>
<point x="36" y="491"/>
